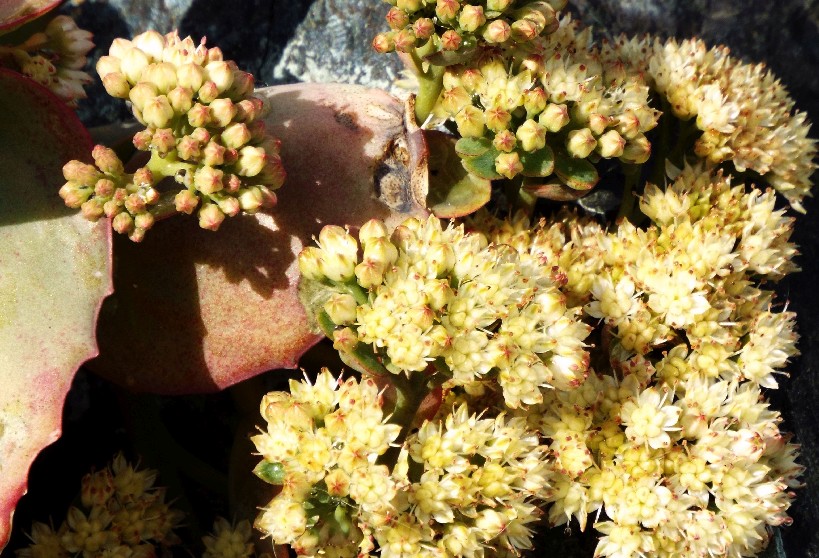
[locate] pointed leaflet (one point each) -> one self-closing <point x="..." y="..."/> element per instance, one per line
<point x="197" y="311"/>
<point x="54" y="271"/>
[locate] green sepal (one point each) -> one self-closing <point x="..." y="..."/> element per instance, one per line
<point x="578" y="174"/>
<point x="270" y="472"/>
<point x="538" y="163"/>
<point x="468" y="148"/>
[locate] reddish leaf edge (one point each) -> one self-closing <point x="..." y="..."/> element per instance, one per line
<point x="26" y="16"/>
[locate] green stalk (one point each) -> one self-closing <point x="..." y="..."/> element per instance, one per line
<point x="410" y="392"/>
<point x="627" y="205"/>
<point x="168" y="166"/>
<point x="430" y="82"/>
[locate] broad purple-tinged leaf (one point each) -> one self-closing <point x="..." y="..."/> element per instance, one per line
<point x="14" y="13"/>
<point x="54" y="272"/>
<point x="197" y="311"/>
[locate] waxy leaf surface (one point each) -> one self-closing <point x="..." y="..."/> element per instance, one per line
<point x="14" y="13"/>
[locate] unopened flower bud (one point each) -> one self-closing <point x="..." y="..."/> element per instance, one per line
<point x="108" y="65"/>
<point x="423" y="28"/>
<point x="186" y="201"/>
<point x="628" y="124"/>
<point x="498" y="5"/>
<point x="157" y="112"/>
<point x="142" y="93"/>
<point x="104" y="188"/>
<point x="222" y="112"/>
<point x="119" y="47"/>
<point x="497" y="32"/>
<point x="220" y="73"/>
<point x="210" y="216"/>
<point x="151" y="43"/>
<point x="250" y="199"/>
<point x="134" y="204"/>
<point x="446" y="10"/>
<point x="142" y="139"/>
<point x="189" y="149"/>
<point x="161" y="74"/>
<point x="230" y="206"/>
<point x="199" y="115"/>
<point x="191" y="76"/>
<point x="215" y="55"/>
<point x="273" y="173"/>
<point x="123" y="223"/>
<point x="251" y="161"/>
<point x="369" y="273"/>
<point x="598" y="123"/>
<point x="181" y="99"/>
<point x="371" y="230"/>
<point x="80" y="172"/>
<point x="524" y="30"/>
<point x="143" y="177"/>
<point x="455" y="99"/>
<point x="554" y="117"/>
<point x="341" y="308"/>
<point x="380" y="250"/>
<point x="231" y="155"/>
<point x="497" y="118"/>
<point x="248" y="110"/>
<point x="535" y="101"/>
<point x="504" y="141"/>
<point x="450" y="40"/>
<point x="508" y="164"/>
<point x="472" y="80"/>
<point x="258" y="130"/>
<point x="310" y="263"/>
<point x="111" y="208"/>
<point x="611" y="144"/>
<point x="133" y="63"/>
<point x="404" y="40"/>
<point x="150" y="195"/>
<point x="471" y="18"/>
<point x="107" y="161"/>
<point x="213" y="155"/>
<point x="208" y="92"/>
<point x="580" y="143"/>
<point x="532" y="136"/>
<point x="236" y="135"/>
<point x="208" y="180"/>
<point x="637" y="150"/>
<point x="409" y="5"/>
<point x="163" y="141"/>
<point x="396" y="18"/>
<point x="344" y="340"/>
<point x="116" y="85"/>
<point x="144" y="221"/>
<point x="92" y="209"/>
<point x="74" y="195"/>
<point x="384" y="42"/>
<point x="470" y="122"/>
<point x="232" y="183"/>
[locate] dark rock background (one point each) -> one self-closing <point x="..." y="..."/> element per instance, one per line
<point x="295" y="40"/>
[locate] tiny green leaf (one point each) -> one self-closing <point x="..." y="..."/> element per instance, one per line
<point x="578" y="174"/>
<point x="483" y="166"/>
<point x="272" y="473"/>
<point x="471" y="147"/>
<point x="538" y="163"/>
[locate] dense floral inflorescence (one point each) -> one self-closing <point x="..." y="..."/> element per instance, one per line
<point x="461" y="486"/>
<point x="203" y="128"/>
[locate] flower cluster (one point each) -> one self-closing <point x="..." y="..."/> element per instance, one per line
<point x="461" y="486"/>
<point x="228" y="541"/>
<point x="448" y="25"/>
<point x="432" y="296"/>
<point x="54" y="57"/>
<point x="122" y="515"/>
<point x="203" y="129"/>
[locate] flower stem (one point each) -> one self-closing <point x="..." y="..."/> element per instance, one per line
<point x="430" y="81"/>
<point x="627" y="205"/>
<point x="410" y="393"/>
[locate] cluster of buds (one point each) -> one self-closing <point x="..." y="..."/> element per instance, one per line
<point x="428" y="296"/>
<point x="54" y="57"/>
<point x="121" y="514"/>
<point x="229" y="541"/>
<point x="450" y="25"/>
<point x="564" y="99"/>
<point x="460" y="486"/>
<point x="204" y="129"/>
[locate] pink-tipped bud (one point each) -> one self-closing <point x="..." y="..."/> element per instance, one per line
<point x="144" y="221"/>
<point x="151" y="43"/>
<point x="199" y="115"/>
<point x="447" y="10"/>
<point x="220" y="73"/>
<point x="423" y="28"/>
<point x="497" y="5"/>
<point x="215" y="54"/>
<point x="497" y="32"/>
<point x="554" y="117"/>
<point x="611" y="144"/>
<point x="208" y="92"/>
<point x="345" y="340"/>
<point x="232" y="183"/>
<point x="404" y="40"/>
<point x="134" y="204"/>
<point x="186" y="201"/>
<point x="508" y="164"/>
<point x="80" y="172"/>
<point x="273" y="173"/>
<point x="162" y="74"/>
<point x="534" y="63"/>
<point x="163" y="141"/>
<point x="497" y="118"/>
<point x="111" y="208"/>
<point x="472" y="80"/>
<point x="189" y="149"/>
<point x="208" y="180"/>
<point x="73" y="195"/>
<point x="531" y="135"/>
<point x="258" y="130"/>
<point x="243" y="85"/>
<point x="397" y="18"/>
<point x="133" y="63"/>
<point x="107" y="161"/>
<point x="222" y="112"/>
<point x="231" y="155"/>
<point x="310" y="263"/>
<point x="123" y="223"/>
<point x="535" y="101"/>
<point x="236" y="135"/>
<point x="409" y="5"/>
<point x="505" y="141"/>
<point x="201" y="135"/>
<point x="341" y="308"/>
<point x="210" y="217"/>
<point x="229" y="206"/>
<point x="248" y="110"/>
<point x="108" y="65"/>
<point x="251" y="161"/>
<point x="104" y="188"/>
<point x="142" y="139"/>
<point x="580" y="143"/>
<point x="524" y="30"/>
<point x="455" y="99"/>
<point x="450" y="40"/>
<point x="92" y="209"/>
<point x="471" y="18"/>
<point x="213" y="155"/>
<point x="250" y="199"/>
<point x="157" y="112"/>
<point x="637" y="150"/>
<point x="470" y="122"/>
<point x="142" y="93"/>
<point x="181" y="99"/>
<point x="116" y="85"/>
<point x="598" y="123"/>
<point x="191" y="76"/>
<point x="372" y="230"/>
<point x="384" y="42"/>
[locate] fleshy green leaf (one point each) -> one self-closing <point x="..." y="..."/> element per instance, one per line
<point x="54" y="271"/>
<point x="472" y="147"/>
<point x="539" y="163"/>
<point x="578" y="174"/>
<point x="272" y="473"/>
<point x="483" y="166"/>
<point x="197" y="311"/>
<point x="454" y="192"/>
<point x="14" y="13"/>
